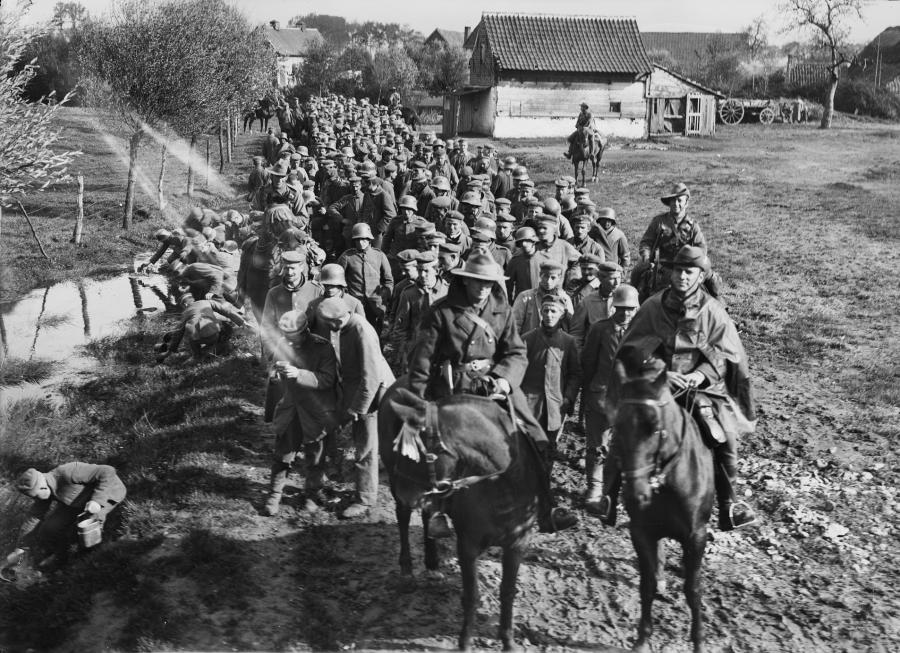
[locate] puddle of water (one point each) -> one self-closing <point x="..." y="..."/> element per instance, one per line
<point x="54" y="323"/>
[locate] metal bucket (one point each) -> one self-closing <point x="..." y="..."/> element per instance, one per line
<point x="90" y="532"/>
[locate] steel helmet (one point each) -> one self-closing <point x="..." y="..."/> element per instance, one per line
<point x="625" y="296"/>
<point x="408" y="202"/>
<point x="526" y="233"/>
<point x="332" y="275"/>
<point x="441" y="183"/>
<point x="361" y="230"/>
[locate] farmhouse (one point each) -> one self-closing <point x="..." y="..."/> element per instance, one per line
<point x="529" y="73"/>
<point x="679" y="105"/>
<point x="290" y="45"/>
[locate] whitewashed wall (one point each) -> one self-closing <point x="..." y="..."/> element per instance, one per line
<point x="546" y="109"/>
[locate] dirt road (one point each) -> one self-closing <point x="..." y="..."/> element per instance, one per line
<point x="802" y="226"/>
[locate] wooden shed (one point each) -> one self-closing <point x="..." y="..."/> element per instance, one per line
<point x="678" y="105"/>
<point x="530" y="73"/>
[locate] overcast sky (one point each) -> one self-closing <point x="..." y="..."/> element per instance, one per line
<point x="652" y="15"/>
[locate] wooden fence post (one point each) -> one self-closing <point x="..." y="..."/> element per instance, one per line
<point x="229" y="137"/>
<point x="33" y="232"/>
<point x="207" y="161"/>
<point x="221" y="149"/>
<point x="79" y="216"/>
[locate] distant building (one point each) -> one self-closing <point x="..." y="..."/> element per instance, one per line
<point x="678" y="105"/>
<point x="290" y="45"/>
<point x="446" y="37"/>
<point x="529" y="73"/>
<point x="804" y="73"/>
<point x="689" y="52"/>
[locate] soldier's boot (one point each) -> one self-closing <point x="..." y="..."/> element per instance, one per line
<point x="594" y="471"/>
<point x="732" y="514"/>
<point x="612" y="481"/>
<point x="550" y="519"/>
<point x="277" y="482"/>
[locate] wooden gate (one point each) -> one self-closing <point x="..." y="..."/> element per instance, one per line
<point x="694" y="115"/>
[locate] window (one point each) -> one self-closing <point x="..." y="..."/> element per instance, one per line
<point x="615" y="107"/>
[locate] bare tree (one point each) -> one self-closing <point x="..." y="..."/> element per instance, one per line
<point x="28" y="159"/>
<point x="828" y="20"/>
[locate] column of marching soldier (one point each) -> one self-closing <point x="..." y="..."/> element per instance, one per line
<point x="357" y="242"/>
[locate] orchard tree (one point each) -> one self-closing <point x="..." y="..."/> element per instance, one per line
<point x="829" y="21"/>
<point x="392" y="68"/>
<point x="443" y="68"/>
<point x="172" y="66"/>
<point x="319" y="68"/>
<point x="28" y="157"/>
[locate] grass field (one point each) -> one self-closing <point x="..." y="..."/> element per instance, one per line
<point x="803" y="230"/>
<point x="104" y="164"/>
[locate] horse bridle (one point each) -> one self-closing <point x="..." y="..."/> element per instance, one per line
<point x="434" y="445"/>
<point x="657" y="470"/>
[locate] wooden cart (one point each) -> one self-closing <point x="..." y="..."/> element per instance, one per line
<point x="736" y="110"/>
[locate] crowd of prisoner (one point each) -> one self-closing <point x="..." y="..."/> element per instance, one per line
<point x="373" y="253"/>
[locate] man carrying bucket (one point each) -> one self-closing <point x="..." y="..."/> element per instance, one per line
<point x="74" y="498"/>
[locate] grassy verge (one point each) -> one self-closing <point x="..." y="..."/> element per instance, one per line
<point x="107" y="249"/>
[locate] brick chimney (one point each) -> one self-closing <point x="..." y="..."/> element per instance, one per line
<point x="275" y="25"/>
<point x="466" y="33"/>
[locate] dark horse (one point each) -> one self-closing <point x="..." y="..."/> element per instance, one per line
<point x="668" y="490"/>
<point x="486" y="474"/>
<point x="263" y="111"/>
<point x="582" y="152"/>
<point x="411" y="118"/>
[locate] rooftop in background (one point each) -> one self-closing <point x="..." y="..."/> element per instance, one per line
<point x="579" y="44"/>
<point x="448" y="36"/>
<point x="689" y="49"/>
<point x="290" y="41"/>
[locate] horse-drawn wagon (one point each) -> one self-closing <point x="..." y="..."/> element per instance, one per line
<point x="736" y="110"/>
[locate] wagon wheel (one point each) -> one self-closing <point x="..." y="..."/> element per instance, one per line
<point x="767" y="115"/>
<point x="732" y="112"/>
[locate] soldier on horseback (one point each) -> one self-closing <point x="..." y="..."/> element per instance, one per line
<point x="468" y="343"/>
<point x="666" y="234"/>
<point x="584" y="128"/>
<point x="693" y="335"/>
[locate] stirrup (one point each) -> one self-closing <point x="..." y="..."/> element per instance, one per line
<point x="745" y="512"/>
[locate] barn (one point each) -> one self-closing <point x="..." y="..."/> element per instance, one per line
<point x="530" y="73"/>
<point x="290" y="45"/>
<point x="678" y="105"/>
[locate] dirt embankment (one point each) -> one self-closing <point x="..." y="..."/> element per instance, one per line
<point x="800" y="224"/>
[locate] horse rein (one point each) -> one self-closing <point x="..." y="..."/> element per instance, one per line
<point x="657" y="472"/>
<point x="434" y="447"/>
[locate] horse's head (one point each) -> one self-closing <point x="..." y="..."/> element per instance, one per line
<point x="638" y="411"/>
<point x="459" y="440"/>
<point x="422" y="458"/>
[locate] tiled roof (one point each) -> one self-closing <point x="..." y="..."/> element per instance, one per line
<point x="449" y="36"/>
<point x="581" y="44"/>
<point x="689" y="49"/>
<point x="806" y="73"/>
<point x="291" y="41"/>
<point x="687" y="80"/>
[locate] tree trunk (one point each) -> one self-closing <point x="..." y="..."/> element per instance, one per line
<point x="134" y="145"/>
<point x="207" y="162"/>
<point x="221" y="149"/>
<point x="79" y="215"/>
<point x="190" y="158"/>
<point x="828" y="111"/>
<point x="161" y="184"/>
<point x="230" y="136"/>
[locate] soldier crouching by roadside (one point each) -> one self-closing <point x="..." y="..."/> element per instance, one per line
<point x="63" y="497"/>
